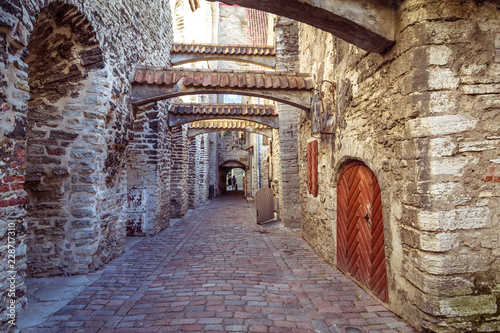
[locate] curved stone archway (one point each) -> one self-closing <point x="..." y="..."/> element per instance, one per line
<point x="184" y="53"/>
<point x="64" y="59"/>
<point x="186" y="119"/>
<point x="201" y="127"/>
<point x="368" y="24"/>
<point x="232" y="164"/>
<point x="193" y="132"/>
<point x="155" y="83"/>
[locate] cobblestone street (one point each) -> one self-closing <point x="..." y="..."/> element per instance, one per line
<point x="216" y="270"/>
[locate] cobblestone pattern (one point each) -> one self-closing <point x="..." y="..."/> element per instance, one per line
<point x="98" y="43"/>
<point x="217" y="271"/>
<point x="423" y="117"/>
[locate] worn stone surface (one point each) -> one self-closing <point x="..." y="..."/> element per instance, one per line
<point x="422" y="116"/>
<point x="65" y="120"/>
<point x="217" y="270"/>
<point x="287" y="59"/>
<point x="148" y="172"/>
<point x="366" y="24"/>
<point x="180" y="172"/>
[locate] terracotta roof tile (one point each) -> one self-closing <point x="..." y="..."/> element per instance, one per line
<point x="225" y="124"/>
<point x="223" y="78"/>
<point x="224" y="109"/>
<point x="223" y="49"/>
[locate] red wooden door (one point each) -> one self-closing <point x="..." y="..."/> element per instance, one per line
<point x="360" y="232"/>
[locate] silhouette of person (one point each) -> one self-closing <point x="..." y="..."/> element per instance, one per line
<point x="235" y="185"/>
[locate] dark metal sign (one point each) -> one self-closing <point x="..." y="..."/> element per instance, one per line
<point x="321" y="121"/>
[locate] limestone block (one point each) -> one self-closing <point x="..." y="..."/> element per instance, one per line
<point x="442" y="78"/>
<point x="458" y="219"/>
<point x="442" y="102"/>
<point x="478" y="145"/>
<point x="438" y="242"/>
<point x="439" y="54"/>
<point x="451" y="165"/>
<point x="438" y="284"/>
<point x="440" y="147"/>
<point x="468" y="306"/>
<point x="433" y="242"/>
<point x="480" y="89"/>
<point x="439" y="125"/>
<point x="448" y="194"/>
<point x="451" y="263"/>
<point x="474" y="73"/>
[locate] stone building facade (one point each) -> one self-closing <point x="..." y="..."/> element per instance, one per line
<point x="81" y="167"/>
<point x="66" y="122"/>
<point x="423" y="116"/>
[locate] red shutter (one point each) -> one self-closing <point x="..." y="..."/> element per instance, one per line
<point x="312" y="167"/>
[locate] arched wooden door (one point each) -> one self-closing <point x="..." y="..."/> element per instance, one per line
<point x="360" y="232"/>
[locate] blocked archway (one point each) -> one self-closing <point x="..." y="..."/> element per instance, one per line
<point x="360" y="230"/>
<point x="65" y="120"/>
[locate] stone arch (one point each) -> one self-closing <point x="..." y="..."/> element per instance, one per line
<point x="264" y="132"/>
<point x="240" y="59"/>
<point x="368" y="24"/>
<point x="232" y="164"/>
<point x="66" y="116"/>
<point x="187" y="119"/>
<point x="299" y="99"/>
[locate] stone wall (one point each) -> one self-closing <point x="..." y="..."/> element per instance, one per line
<point x="204" y="168"/>
<point x="65" y="120"/>
<point x="213" y="162"/>
<point x="264" y="162"/>
<point x="179" y="172"/>
<point x="198" y="174"/>
<point x="423" y="117"/>
<point x="195" y="176"/>
<point x="275" y="155"/>
<point x="148" y="174"/>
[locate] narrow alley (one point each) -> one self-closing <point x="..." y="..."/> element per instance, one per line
<point x="216" y="270"/>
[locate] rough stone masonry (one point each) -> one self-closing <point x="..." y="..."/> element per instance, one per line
<point x="424" y="116"/>
<point x="65" y="123"/>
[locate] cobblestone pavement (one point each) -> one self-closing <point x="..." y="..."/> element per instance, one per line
<point x="217" y="271"/>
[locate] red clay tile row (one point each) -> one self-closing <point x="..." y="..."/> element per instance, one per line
<point x="225" y="124"/>
<point x="224" y="109"/>
<point x="223" y="49"/>
<point x="223" y="78"/>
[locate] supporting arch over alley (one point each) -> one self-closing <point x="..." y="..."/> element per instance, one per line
<point x="367" y="24"/>
<point x="208" y="126"/>
<point x="181" y="113"/>
<point x="155" y="83"/>
<point x="185" y="53"/>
